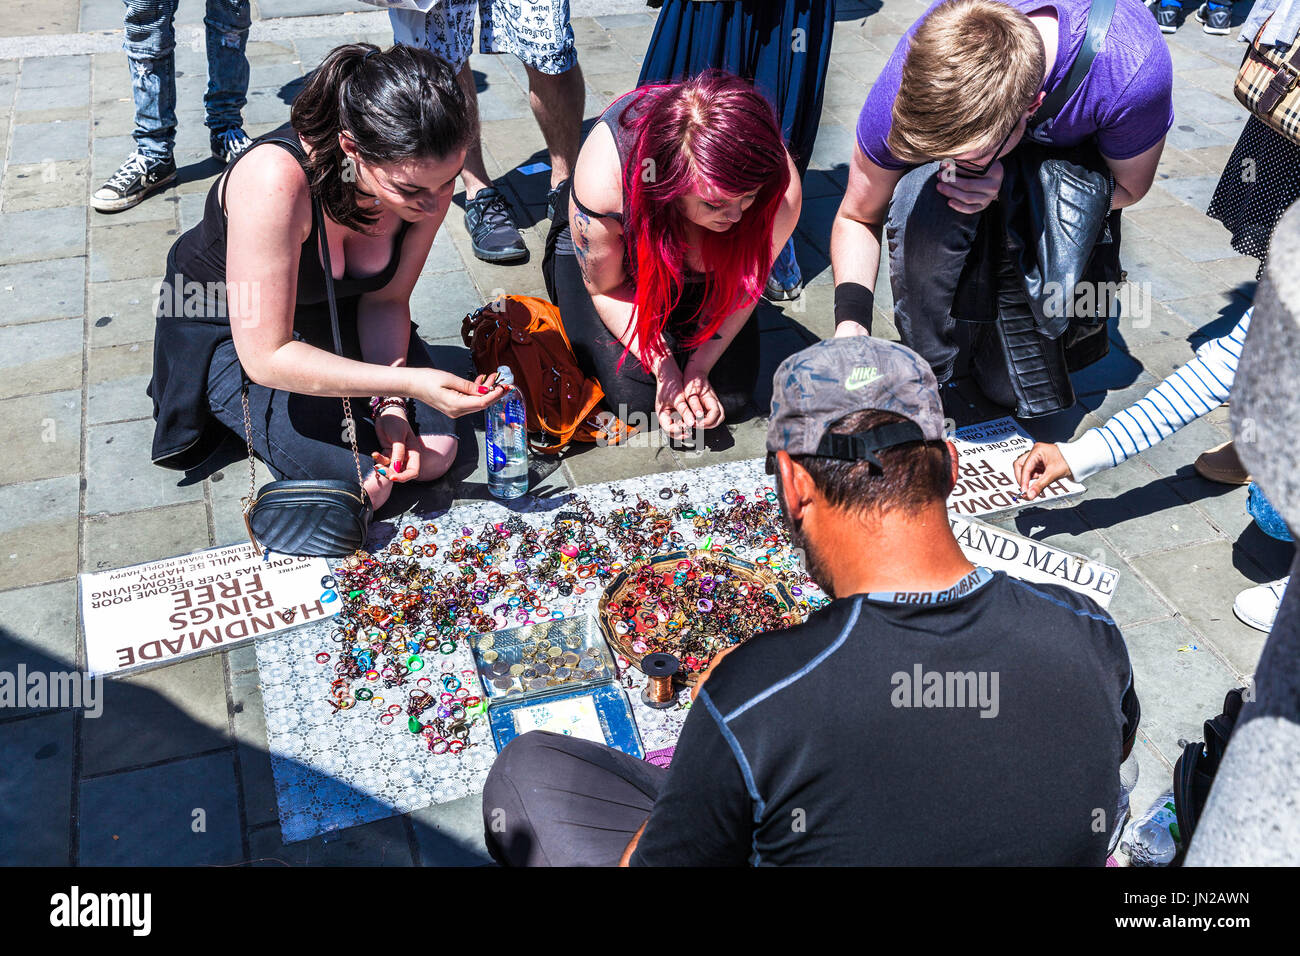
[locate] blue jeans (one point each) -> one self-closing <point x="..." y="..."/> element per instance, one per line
<point x="1269" y="521"/>
<point x="151" y="52"/>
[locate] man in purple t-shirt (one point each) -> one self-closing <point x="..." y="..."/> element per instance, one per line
<point x="956" y="96"/>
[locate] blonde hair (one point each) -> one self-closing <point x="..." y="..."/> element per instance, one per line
<point x="971" y="71"/>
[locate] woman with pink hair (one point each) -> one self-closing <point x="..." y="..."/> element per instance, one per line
<point x="681" y="198"/>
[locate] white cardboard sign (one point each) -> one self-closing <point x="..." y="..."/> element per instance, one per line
<point x="164" y="611"/>
<point x="986" y="476"/>
<point x="1033" y="561"/>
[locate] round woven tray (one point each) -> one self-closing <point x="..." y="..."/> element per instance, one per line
<point x="625" y="582"/>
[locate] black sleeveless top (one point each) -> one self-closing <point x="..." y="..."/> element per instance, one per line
<point x="185" y="432"/>
<point x="619" y="117"/>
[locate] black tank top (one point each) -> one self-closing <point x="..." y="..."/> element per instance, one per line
<point x="186" y="433"/>
<point x="200" y="254"/>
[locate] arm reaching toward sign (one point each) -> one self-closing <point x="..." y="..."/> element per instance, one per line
<point x="1193" y="390"/>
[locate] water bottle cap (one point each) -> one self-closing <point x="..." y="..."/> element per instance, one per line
<point x="504" y="375"/>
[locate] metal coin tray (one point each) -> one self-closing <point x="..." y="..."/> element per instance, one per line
<point x="540" y="658"/>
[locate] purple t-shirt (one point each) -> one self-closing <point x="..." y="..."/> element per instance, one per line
<point x="1126" y="100"/>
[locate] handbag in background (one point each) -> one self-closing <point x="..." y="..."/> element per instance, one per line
<point x="1267" y="86"/>
<point x="526" y="334"/>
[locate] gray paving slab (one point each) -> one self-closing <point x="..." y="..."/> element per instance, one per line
<point x="451" y="834"/>
<point x="1202" y="582"/>
<point x="45" y="436"/>
<point x="52" y="142"/>
<point x="1187" y="230"/>
<point x="129" y="251"/>
<point x="36" y="789"/>
<point x="46" y="289"/>
<point x="174" y="711"/>
<point x="118" y="541"/>
<point x="1137" y="520"/>
<point x="40" y="628"/>
<point x="120" y="474"/>
<point x="120" y="399"/>
<point x="439" y="303"/>
<point x="44" y="72"/>
<point x="1178" y="689"/>
<point x="41" y="99"/>
<point x="41" y="357"/>
<point x="308" y="8"/>
<point x="121" y="312"/>
<point x="1171" y="274"/>
<point x="382" y="843"/>
<point x="40" y="234"/>
<point x="45" y="185"/>
<point x="149" y="817"/>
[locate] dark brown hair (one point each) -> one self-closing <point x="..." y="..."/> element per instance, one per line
<point x="399" y="104"/>
<point x="913" y="476"/>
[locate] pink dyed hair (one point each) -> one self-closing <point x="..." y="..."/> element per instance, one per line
<point x="711" y="133"/>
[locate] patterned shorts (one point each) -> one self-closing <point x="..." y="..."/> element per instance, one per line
<point x="536" y="31"/>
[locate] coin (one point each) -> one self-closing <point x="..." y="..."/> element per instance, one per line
<point x="486" y="642"/>
<point x="570" y="659"/>
<point x="490" y="656"/>
<point x="554" y="652"/>
<point x="502" y="683"/>
<point x="516" y="669"/>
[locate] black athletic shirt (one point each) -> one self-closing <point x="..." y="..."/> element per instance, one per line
<point x="813" y="745"/>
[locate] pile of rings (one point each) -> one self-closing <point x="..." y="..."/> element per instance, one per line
<point x="405" y="612"/>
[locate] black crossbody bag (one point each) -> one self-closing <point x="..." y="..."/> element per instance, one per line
<point x="316" y="517"/>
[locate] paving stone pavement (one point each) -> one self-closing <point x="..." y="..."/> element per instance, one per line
<point x="78" y="491"/>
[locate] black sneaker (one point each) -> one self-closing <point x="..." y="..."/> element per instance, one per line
<point x="1168" y="16"/>
<point x="491" y="228"/>
<point x="1215" y="18"/>
<point x="229" y="143"/>
<point x="134" y="180"/>
<point x="551" y="199"/>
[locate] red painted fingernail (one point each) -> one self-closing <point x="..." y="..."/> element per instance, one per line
<point x="483" y="389"/>
<point x="397" y="465"/>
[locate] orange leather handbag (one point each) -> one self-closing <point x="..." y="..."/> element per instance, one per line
<point x="525" y="333"/>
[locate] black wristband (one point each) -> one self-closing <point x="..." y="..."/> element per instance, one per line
<point x="853" y="303"/>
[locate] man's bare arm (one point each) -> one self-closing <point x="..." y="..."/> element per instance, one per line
<point x="636" y="838"/>
<point x="1133" y="177"/>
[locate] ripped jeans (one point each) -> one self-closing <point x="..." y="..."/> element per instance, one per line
<point x="151" y="52"/>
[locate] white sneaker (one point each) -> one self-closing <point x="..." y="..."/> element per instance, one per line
<point x="1258" y="606"/>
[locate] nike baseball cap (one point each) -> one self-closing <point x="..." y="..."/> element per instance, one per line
<point x="815" y="388"/>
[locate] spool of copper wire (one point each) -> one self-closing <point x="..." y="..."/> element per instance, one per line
<point x="659" y="691"/>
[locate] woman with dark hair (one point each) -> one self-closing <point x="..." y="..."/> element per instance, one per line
<point x="682" y="197"/>
<point x="375" y="139"/>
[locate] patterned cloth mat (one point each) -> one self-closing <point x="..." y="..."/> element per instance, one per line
<point x="341" y="769"/>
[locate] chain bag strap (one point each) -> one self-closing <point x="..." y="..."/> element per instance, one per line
<point x="317" y="517"/>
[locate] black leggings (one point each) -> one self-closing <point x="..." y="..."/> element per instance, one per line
<point x="631" y="389"/>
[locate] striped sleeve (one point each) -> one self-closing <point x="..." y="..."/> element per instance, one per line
<point x="1193" y="390"/>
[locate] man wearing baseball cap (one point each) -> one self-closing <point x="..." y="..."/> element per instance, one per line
<point x="934" y="712"/>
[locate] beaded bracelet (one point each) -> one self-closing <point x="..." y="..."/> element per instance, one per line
<point x="378" y="404"/>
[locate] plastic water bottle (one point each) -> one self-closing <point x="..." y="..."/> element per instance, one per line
<point x="1128" y="778"/>
<point x="1152" y="839"/>
<point x="507" y="441"/>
